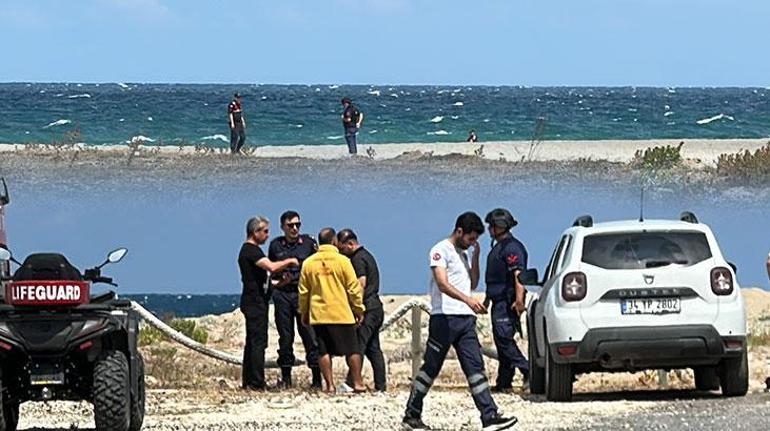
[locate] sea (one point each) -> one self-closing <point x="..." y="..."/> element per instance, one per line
<point x="281" y="115"/>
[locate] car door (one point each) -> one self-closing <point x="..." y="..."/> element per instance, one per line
<point x="554" y="266"/>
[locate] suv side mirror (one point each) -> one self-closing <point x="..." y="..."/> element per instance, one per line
<point x="117" y="255"/>
<point x="529" y="277"/>
<point x="733" y="266"/>
<point x="5" y="255"/>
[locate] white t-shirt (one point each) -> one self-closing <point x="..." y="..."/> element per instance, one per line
<point x="457" y="264"/>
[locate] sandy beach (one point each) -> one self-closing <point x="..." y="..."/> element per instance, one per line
<point x="700" y="151"/>
<point x="191" y="392"/>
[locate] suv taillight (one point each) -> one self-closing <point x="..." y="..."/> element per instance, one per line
<point x="721" y="281"/>
<point x="574" y="286"/>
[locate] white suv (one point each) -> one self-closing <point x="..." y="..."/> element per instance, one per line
<point x="635" y="295"/>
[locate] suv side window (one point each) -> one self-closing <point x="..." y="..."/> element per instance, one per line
<point x="555" y="264"/>
<point x="565" y="253"/>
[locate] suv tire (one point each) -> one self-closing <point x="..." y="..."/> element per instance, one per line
<point x="9" y="414"/>
<point x="706" y="378"/>
<point x="558" y="378"/>
<point x="536" y="373"/>
<point x="734" y="375"/>
<point x="112" y="393"/>
<point x="137" y="400"/>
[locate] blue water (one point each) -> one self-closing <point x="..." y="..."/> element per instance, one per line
<point x="309" y="114"/>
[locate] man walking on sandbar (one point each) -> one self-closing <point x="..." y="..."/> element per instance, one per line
<point x="237" y="124"/>
<point x="331" y="301"/>
<point x="352" y="119"/>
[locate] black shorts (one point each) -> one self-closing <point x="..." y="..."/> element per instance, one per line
<point x="336" y="340"/>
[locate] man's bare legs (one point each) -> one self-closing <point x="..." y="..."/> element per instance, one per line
<point x="325" y="364"/>
<point x="355" y="363"/>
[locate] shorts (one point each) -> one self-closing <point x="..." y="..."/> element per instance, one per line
<point x="336" y="340"/>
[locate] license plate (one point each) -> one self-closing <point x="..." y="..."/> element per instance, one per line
<point x="46" y="379"/>
<point x="651" y="306"/>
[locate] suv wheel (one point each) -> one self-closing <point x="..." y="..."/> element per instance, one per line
<point x="137" y="399"/>
<point x="9" y="414"/>
<point x="112" y="397"/>
<point x="706" y="378"/>
<point x="558" y="379"/>
<point x="734" y="375"/>
<point x="536" y="373"/>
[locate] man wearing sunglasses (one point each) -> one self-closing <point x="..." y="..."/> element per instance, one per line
<point x="284" y="285"/>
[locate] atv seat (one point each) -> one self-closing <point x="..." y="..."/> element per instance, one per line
<point x="47" y="266"/>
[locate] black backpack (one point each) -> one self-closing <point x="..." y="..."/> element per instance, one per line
<point x="47" y="266"/>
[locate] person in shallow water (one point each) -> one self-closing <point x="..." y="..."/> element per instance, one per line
<point x="452" y="323"/>
<point x="352" y="119"/>
<point x="285" y="287"/>
<point x="254" y="266"/>
<point x="237" y="124"/>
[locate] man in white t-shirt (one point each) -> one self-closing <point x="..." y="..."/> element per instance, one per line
<point x="453" y="324"/>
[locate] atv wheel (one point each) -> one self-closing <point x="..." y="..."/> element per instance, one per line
<point x="9" y="414"/>
<point x="558" y="379"/>
<point x="137" y="400"/>
<point x="734" y="375"/>
<point x="536" y="373"/>
<point x="112" y="398"/>
<point x="706" y="378"/>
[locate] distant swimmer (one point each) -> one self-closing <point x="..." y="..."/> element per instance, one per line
<point x="472" y="137"/>
<point x="352" y="119"/>
<point x="237" y="124"/>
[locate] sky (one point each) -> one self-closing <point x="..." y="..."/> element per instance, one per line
<point x="482" y="42"/>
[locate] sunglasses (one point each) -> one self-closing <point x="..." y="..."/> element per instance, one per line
<point x="296" y="225"/>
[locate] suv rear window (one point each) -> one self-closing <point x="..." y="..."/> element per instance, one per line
<point x="641" y="250"/>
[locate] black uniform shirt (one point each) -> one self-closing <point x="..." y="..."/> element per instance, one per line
<point x="365" y="266"/>
<point x="350" y="116"/>
<point x="252" y="276"/>
<point x="281" y="248"/>
<point x="505" y="257"/>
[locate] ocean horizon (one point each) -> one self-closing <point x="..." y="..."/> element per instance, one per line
<point x="283" y="115"/>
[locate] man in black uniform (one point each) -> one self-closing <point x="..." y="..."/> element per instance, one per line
<point x="352" y="119"/>
<point x="237" y="124"/>
<point x="254" y="299"/>
<point x="286" y="298"/>
<point x="369" y="331"/>
<point x="506" y="260"/>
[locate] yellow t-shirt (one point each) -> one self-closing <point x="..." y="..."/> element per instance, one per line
<point x="329" y="290"/>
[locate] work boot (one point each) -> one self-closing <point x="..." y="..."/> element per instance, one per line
<point x="498" y="423"/>
<point x="286" y="378"/>
<point x="316" y="383"/>
<point x="413" y="423"/>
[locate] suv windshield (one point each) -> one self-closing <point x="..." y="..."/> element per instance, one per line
<point x="641" y="250"/>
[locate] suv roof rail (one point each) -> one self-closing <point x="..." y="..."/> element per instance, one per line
<point x="584" y="221"/>
<point x="688" y="217"/>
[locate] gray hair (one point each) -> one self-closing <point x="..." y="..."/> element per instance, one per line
<point x="255" y="223"/>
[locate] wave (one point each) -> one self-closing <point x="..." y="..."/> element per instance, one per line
<point x="440" y="133"/>
<point x="715" y="118"/>
<point x="458" y="104"/>
<point x="668" y="113"/>
<point x="437" y="119"/>
<point x="217" y="137"/>
<point x="57" y="123"/>
<point x="123" y="86"/>
<point x="455" y="117"/>
<point x="79" y="96"/>
<point x="333" y="87"/>
<point x="374" y="92"/>
<point x="150" y="119"/>
<point x="140" y="138"/>
<point x="335" y="137"/>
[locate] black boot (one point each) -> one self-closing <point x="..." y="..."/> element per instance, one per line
<point x="286" y="377"/>
<point x="316" y="384"/>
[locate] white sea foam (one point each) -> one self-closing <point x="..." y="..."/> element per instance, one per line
<point x="632" y="109"/>
<point x="122" y="120"/>
<point x="150" y="119"/>
<point x="668" y="113"/>
<point x="486" y="120"/>
<point x="458" y="104"/>
<point x="437" y="119"/>
<point x="79" y="96"/>
<point x="374" y="92"/>
<point x="394" y="95"/>
<point x="263" y="98"/>
<point x="334" y="138"/>
<point x="57" y="123"/>
<point x="299" y="126"/>
<point x="140" y="138"/>
<point x="439" y="132"/>
<point x="715" y="118"/>
<point x="123" y="86"/>
<point x="217" y="137"/>
<point x="454" y="117"/>
<point x="317" y="89"/>
<point x="333" y="87"/>
<point x="371" y="132"/>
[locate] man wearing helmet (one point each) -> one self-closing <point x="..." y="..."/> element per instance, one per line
<point x="506" y="260"/>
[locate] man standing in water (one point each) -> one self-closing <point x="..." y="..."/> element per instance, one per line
<point x="352" y="119"/>
<point x="453" y="324"/>
<point x="237" y="124"/>
<point x="286" y="298"/>
<point x="254" y="299"/>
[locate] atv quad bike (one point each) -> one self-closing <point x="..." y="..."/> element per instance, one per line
<point x="57" y="342"/>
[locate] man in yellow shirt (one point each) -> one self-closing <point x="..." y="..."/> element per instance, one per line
<point x="331" y="301"/>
